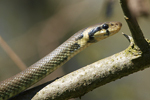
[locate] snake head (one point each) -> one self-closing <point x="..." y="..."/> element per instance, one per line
<point x="101" y="31"/>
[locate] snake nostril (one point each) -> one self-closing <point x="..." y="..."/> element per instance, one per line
<point x="112" y="24"/>
<point x="120" y="24"/>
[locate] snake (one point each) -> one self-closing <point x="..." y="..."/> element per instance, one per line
<point x="75" y="44"/>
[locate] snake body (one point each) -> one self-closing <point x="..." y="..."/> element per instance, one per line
<point x="58" y="57"/>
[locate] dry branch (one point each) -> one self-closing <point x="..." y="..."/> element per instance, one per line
<point x="97" y="74"/>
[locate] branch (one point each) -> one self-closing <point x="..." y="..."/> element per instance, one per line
<point x="97" y="74"/>
<point x="136" y="32"/>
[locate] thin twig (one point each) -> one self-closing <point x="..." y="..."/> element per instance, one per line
<point x="12" y="54"/>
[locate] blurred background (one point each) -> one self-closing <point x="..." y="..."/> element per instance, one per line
<point x="33" y="28"/>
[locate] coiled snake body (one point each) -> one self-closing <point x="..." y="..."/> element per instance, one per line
<point x="58" y="57"/>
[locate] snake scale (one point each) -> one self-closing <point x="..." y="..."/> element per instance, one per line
<point x="79" y="41"/>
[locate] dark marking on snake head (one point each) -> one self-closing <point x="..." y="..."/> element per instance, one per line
<point x="74" y="47"/>
<point x="79" y="37"/>
<point x="105" y="26"/>
<point x="107" y="33"/>
<point x="91" y="33"/>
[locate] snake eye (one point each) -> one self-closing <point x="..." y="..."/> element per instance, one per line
<point x="105" y="26"/>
